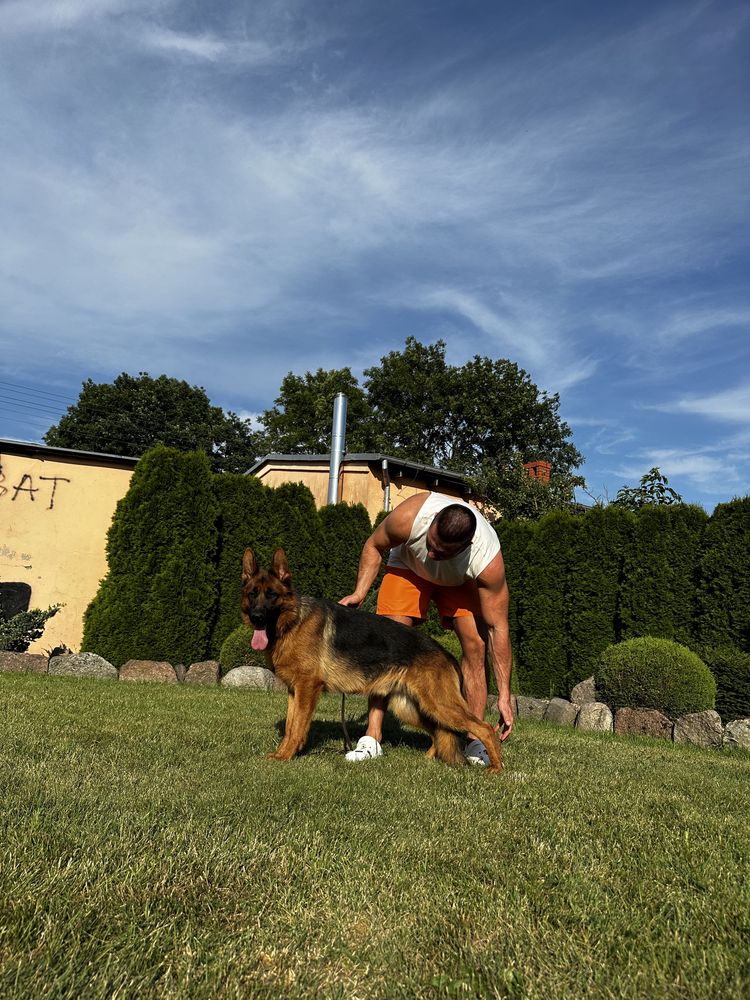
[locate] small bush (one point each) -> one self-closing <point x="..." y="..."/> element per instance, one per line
<point x="18" y="632"/>
<point x="731" y="669"/>
<point x="654" y="673"/>
<point x="236" y="651"/>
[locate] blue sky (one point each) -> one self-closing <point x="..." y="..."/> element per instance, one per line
<point x="227" y="192"/>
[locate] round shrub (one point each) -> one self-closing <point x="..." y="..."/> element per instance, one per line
<point x="236" y="651"/>
<point x="654" y="673"/>
<point x="731" y="669"/>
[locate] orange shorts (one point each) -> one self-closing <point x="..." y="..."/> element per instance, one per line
<point x="404" y="593"/>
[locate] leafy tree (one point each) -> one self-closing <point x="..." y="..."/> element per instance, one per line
<point x="654" y="489"/>
<point x="133" y="414"/>
<point x="300" y="420"/>
<point x="483" y="419"/>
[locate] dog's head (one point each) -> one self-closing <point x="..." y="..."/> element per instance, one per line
<point x="264" y="595"/>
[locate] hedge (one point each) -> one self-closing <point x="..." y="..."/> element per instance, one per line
<point x="724" y="588"/>
<point x="159" y="597"/>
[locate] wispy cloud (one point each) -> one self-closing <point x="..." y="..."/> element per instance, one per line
<point x="730" y="405"/>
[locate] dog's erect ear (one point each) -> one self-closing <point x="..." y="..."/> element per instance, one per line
<point x="280" y="567"/>
<point x="249" y="565"/>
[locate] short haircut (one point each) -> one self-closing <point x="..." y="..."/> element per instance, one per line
<point x="456" y="524"/>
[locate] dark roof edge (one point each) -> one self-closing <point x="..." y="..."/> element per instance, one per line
<point x="32" y="448"/>
<point x="360" y="457"/>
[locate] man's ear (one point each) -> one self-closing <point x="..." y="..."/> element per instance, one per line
<point x="249" y="565"/>
<point x="280" y="567"/>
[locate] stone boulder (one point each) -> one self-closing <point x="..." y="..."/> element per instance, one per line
<point x="253" y="677"/>
<point x="701" y="729"/>
<point x="205" y="672"/>
<point x="737" y="734"/>
<point x="531" y="708"/>
<point x="596" y="717"/>
<point x="642" y="722"/>
<point x="492" y="704"/>
<point x="562" y="712"/>
<point x="82" y="665"/>
<point x="22" y="663"/>
<point x="584" y="693"/>
<point x="148" y="670"/>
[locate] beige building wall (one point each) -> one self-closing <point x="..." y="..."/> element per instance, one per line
<point x="54" y="518"/>
<point x="359" y="483"/>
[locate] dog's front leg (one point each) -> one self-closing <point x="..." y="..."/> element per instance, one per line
<point x="278" y="753"/>
<point x="299" y="716"/>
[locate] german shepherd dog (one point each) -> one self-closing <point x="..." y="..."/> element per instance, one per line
<point x="315" y="646"/>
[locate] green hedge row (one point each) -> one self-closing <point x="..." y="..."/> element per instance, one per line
<point x="581" y="583"/>
<point x="578" y="583"/>
<point x="175" y="550"/>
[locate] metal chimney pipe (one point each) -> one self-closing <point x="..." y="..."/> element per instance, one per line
<point x="338" y="446"/>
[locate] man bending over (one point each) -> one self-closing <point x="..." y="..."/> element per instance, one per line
<point x="442" y="549"/>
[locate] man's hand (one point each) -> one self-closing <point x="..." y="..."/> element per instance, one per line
<point x="352" y="600"/>
<point x="506" y="714"/>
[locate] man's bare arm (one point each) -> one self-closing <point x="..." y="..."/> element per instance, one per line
<point x="494" y="599"/>
<point x="392" y="531"/>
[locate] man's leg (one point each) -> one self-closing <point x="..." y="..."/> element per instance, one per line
<point x="368" y="746"/>
<point x="377" y="705"/>
<point x="403" y="598"/>
<point x="472" y="634"/>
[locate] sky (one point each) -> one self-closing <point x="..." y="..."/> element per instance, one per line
<point x="227" y="192"/>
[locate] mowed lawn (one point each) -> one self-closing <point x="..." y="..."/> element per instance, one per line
<point x="149" y="850"/>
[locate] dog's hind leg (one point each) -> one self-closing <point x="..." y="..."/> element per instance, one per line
<point x="408" y="712"/>
<point x="438" y="695"/>
<point x="302" y="705"/>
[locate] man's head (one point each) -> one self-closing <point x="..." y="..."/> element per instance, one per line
<point x="451" y="532"/>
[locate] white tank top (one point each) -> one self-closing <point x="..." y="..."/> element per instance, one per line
<point x="467" y="565"/>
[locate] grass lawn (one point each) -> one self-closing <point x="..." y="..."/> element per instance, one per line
<point x="148" y="849"/>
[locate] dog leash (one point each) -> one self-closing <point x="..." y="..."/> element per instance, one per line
<point x="348" y="745"/>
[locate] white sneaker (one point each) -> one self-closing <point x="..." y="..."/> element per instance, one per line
<point x="475" y="752"/>
<point x="368" y="748"/>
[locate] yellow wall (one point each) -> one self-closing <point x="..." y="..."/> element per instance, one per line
<point x="54" y="538"/>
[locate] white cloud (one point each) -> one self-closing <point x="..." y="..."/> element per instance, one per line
<point x="731" y="405"/>
<point x="21" y="16"/>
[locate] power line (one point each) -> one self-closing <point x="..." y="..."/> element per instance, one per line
<point x="28" y="405"/>
<point x="35" y="390"/>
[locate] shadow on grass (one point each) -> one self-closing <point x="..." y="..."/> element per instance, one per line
<point x="323" y="731"/>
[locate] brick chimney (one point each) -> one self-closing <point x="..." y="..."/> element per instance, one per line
<point x="538" y="470"/>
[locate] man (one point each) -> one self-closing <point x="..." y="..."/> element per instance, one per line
<point x="442" y="550"/>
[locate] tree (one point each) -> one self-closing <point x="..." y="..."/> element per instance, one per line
<point x="654" y="489"/>
<point x="133" y="414"/>
<point x="300" y="421"/>
<point x="483" y="419"/>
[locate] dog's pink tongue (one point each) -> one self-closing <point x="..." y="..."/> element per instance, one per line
<point x="260" y="639"/>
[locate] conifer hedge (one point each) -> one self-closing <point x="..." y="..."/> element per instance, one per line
<point x="243" y="504"/>
<point x="345" y="530"/>
<point x="600" y="539"/>
<point x="175" y="550"/>
<point x="724" y="589"/>
<point x="657" y="596"/>
<point x="158" y="598"/>
<point x="546" y="647"/>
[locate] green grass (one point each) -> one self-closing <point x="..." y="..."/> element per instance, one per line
<point x="149" y="850"/>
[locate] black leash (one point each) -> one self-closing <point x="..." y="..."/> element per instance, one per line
<point x="348" y="745"/>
